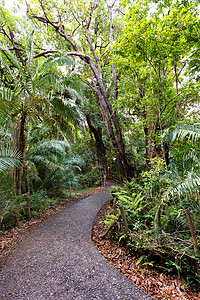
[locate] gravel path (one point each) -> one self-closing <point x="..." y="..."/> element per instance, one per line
<point x="59" y="261"/>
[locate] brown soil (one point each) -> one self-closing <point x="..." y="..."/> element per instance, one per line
<point x="11" y="238"/>
<point x="158" y="285"/>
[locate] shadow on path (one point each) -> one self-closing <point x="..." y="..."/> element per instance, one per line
<point x="59" y="261"/>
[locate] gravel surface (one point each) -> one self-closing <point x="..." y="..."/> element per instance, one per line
<point x="59" y="261"/>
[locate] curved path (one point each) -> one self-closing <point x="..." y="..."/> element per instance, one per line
<point x="59" y="261"/>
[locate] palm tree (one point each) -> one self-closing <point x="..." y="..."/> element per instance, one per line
<point x="66" y="116"/>
<point x="37" y="79"/>
<point x="183" y="175"/>
<point x="55" y="168"/>
<point x="9" y="156"/>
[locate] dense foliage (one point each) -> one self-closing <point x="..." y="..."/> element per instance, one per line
<point x="94" y="90"/>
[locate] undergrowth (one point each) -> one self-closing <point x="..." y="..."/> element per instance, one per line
<point x="158" y="229"/>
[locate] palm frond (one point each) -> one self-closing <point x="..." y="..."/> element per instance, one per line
<point x="55" y="61"/>
<point x="44" y="162"/>
<point x="192" y="132"/>
<point x="69" y="82"/>
<point x="192" y="157"/>
<point x="15" y="62"/>
<point x="181" y="187"/>
<point x="47" y="81"/>
<point x="8" y="157"/>
<point x="54" y="146"/>
<point x="61" y="61"/>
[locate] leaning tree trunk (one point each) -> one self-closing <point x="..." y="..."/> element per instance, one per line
<point x="126" y="170"/>
<point x="109" y="115"/>
<point x="100" y="149"/>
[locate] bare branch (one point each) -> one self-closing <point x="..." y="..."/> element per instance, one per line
<point x="11" y="35"/>
<point x="16" y="48"/>
<point x="94" y="53"/>
<point x="42" y="6"/>
<point x="75" y="30"/>
<point x="111" y="40"/>
<point x="86" y="82"/>
<point x="121" y="12"/>
<point x="77" y="20"/>
<point x="46" y="52"/>
<point x="41" y="19"/>
<point x="83" y="56"/>
<point x="112" y="5"/>
<point x="108" y="46"/>
<point x="59" y="28"/>
<point x="9" y="59"/>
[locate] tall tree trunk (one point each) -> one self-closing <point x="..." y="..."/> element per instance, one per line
<point x="165" y="153"/>
<point x="95" y="149"/>
<point x="28" y="197"/>
<point x="99" y="147"/>
<point x="12" y="132"/>
<point x="109" y="126"/>
<point x="133" y="155"/>
<point x="151" y="151"/>
<point x="20" y="144"/>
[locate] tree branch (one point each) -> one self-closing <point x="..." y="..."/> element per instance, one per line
<point x="46" y="52"/>
<point x="110" y="7"/>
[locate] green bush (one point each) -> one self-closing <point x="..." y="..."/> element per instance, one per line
<point x="91" y="178"/>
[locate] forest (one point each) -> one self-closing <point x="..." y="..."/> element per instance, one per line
<point x="97" y="90"/>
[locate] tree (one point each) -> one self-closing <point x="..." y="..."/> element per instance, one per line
<point x="88" y="30"/>
<point x="54" y="166"/>
<point x="154" y="56"/>
<point x="100" y="150"/>
<point x="36" y="80"/>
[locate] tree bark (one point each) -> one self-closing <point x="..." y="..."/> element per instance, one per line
<point x="150" y="144"/>
<point x="20" y="146"/>
<point x="121" y="207"/>
<point x="12" y="133"/>
<point x="28" y="197"/>
<point x="99" y="147"/>
<point x="133" y="155"/>
<point x="165" y="153"/>
<point x="192" y="231"/>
